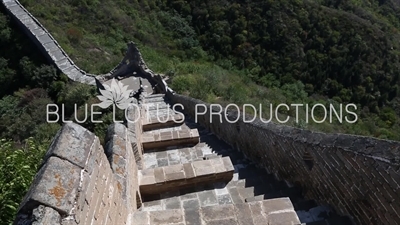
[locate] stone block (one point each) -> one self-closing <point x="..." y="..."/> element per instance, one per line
<point x="119" y="165"/>
<point x="228" y="221"/>
<point x="178" y="177"/>
<point x="207" y="198"/>
<point x="184" y="134"/>
<point x="228" y="164"/>
<point x="116" y="129"/>
<point x="191" y="204"/>
<point x="147" y="180"/>
<point x="148" y="138"/>
<point x="68" y="221"/>
<point x="56" y="185"/>
<point x="217" y="212"/>
<point x="117" y="146"/>
<point x="218" y="164"/>
<point x="45" y="215"/>
<point x="202" y="168"/>
<point x="277" y="204"/>
<point x="113" y="212"/>
<point x="162" y="162"/>
<point x="174" y="172"/>
<point x="283" y="218"/>
<point x="88" y="192"/>
<point x="73" y="143"/>
<point x="140" y="217"/>
<point x="165" y="135"/>
<point x="171" y="216"/>
<point x="194" y="133"/>
<point x="172" y="203"/>
<point x="256" y="212"/>
<point x="189" y="171"/>
<point x="192" y="217"/>
<point x="243" y="214"/>
<point x="85" y="183"/>
<point x="173" y="169"/>
<point x="224" y="199"/>
<point x="159" y="175"/>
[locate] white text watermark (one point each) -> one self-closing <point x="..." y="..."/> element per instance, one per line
<point x="163" y="113"/>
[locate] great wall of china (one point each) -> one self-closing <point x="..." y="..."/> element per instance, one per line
<point x="207" y="173"/>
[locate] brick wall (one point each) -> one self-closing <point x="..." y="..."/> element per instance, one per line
<point x="78" y="184"/>
<point x="358" y="176"/>
<point x="134" y="133"/>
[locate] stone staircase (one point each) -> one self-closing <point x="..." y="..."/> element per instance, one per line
<point x="189" y="176"/>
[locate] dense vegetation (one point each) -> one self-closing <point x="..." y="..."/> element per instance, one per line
<point x="296" y="51"/>
<point x="287" y="51"/>
<point x="29" y="83"/>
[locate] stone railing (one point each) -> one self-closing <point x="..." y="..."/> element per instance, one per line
<point x="357" y="175"/>
<point x="81" y="183"/>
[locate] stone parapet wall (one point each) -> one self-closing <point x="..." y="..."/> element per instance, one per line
<point x="122" y="160"/>
<point x="77" y="184"/>
<point x="134" y="124"/>
<point x="169" y="178"/>
<point x="357" y="175"/>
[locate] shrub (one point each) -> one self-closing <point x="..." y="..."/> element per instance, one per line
<point x="18" y="167"/>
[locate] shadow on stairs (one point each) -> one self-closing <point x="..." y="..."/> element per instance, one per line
<point x="190" y="176"/>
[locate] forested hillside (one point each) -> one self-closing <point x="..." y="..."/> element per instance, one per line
<point x="296" y="51"/>
<point x="286" y="51"/>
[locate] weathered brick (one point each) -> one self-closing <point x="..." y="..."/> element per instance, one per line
<point x="46" y="215"/>
<point x="94" y="156"/>
<point x="116" y="145"/>
<point x="88" y="193"/>
<point x="189" y="172"/>
<point x="112" y="214"/>
<point x="167" y="217"/>
<point x="73" y="143"/>
<point x="202" y="168"/>
<point x="256" y="212"/>
<point x="56" y="186"/>
<point x="159" y="175"/>
<point x="217" y="212"/>
<point x="116" y="129"/>
<point x="141" y="217"/>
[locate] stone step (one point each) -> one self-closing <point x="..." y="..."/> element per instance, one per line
<point x="273" y="211"/>
<point x="154" y="99"/>
<point x="176" y="156"/>
<point x="189" y="198"/>
<point x="257" y="190"/>
<point x="293" y="193"/>
<point x="154" y="96"/>
<point x="159" y="139"/>
<point x="168" y="178"/>
<point x="181" y="127"/>
<point x="163" y="121"/>
<point x="153" y="106"/>
<point x="152" y="111"/>
<point x="211" y="156"/>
